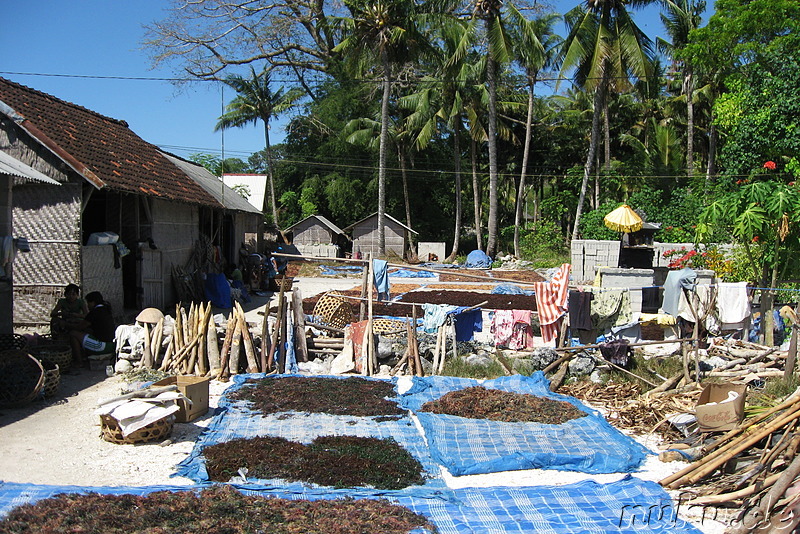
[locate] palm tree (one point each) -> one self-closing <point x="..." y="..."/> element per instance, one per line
<point x="385" y="32"/>
<point x="256" y="101"/>
<point x="534" y="49"/>
<point x="497" y="53"/>
<point x="681" y="17"/>
<point x="605" y="47"/>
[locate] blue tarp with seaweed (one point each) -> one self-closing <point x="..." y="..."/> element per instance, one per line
<point x="627" y="506"/>
<point x="474" y="446"/>
<point x="236" y="419"/>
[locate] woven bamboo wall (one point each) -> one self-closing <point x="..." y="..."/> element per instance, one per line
<point x="49" y="217"/>
<point x="365" y="237"/>
<point x="176" y="228"/>
<point x="99" y="274"/>
<point x="312" y="232"/>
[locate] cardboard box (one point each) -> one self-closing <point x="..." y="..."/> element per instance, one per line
<point x="195" y="388"/>
<point x="720" y="416"/>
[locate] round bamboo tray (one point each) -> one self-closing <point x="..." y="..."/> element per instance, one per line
<point x="334" y="310"/>
<point x="154" y="431"/>
<point x="12" y="341"/>
<point x="21" y="378"/>
<point x="60" y="355"/>
<point x="52" y="377"/>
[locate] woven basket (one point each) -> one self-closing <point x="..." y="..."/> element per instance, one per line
<point x="334" y="310"/>
<point x="154" y="431"/>
<point x="12" y="341"/>
<point x="52" y="377"/>
<point x="60" y="355"/>
<point x="21" y="378"/>
<point x="391" y="328"/>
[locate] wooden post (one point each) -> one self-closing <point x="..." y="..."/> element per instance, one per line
<point x="147" y="357"/>
<point x="284" y="336"/>
<point x="299" y="325"/>
<point x="418" y="370"/>
<point x="371" y="357"/>
<point x="265" y="338"/>
<point x="212" y="345"/>
<point x="364" y="277"/>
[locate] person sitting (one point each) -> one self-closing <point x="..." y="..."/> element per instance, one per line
<point x="68" y="311"/>
<point x="94" y="334"/>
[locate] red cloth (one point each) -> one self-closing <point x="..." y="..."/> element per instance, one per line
<point x="551" y="301"/>
<point x="356" y="333"/>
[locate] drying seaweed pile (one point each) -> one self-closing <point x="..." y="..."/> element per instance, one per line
<point x="338" y="461"/>
<point x="495" y="405"/>
<point x="346" y="396"/>
<point x="218" y="509"/>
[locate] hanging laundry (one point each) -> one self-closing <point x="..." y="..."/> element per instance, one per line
<point x="611" y="307"/>
<point x="733" y="304"/>
<point x="580" y="310"/>
<point x="435" y="316"/>
<point x="512" y="329"/>
<point x="467" y="323"/>
<point x="703" y="299"/>
<point x="616" y="352"/>
<point x="380" y="273"/>
<point x="551" y="301"/>
<point x="673" y="287"/>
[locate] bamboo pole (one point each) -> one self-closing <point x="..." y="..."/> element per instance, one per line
<point x="710" y="463"/>
<point x="212" y="344"/>
<point x="147" y="356"/>
<point x="371" y="360"/>
<point x="252" y="364"/>
<point x="158" y="337"/>
<point x="265" y="337"/>
<point x="299" y="328"/>
<point x="418" y="370"/>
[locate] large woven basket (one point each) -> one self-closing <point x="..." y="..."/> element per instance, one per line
<point x="12" y="341"/>
<point x="21" y="378"/>
<point x="60" y="355"/>
<point x="156" y="430"/>
<point x="52" y="377"/>
<point x="334" y="310"/>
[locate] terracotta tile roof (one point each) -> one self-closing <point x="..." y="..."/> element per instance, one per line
<point x="104" y="150"/>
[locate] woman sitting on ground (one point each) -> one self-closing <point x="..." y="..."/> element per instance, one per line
<point x="68" y="311"/>
<point x="95" y="333"/>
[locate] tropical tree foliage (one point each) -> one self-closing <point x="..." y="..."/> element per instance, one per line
<point x="403" y="99"/>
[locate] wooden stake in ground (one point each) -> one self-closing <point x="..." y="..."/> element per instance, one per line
<point x="265" y="338"/>
<point x="418" y="370"/>
<point x="212" y="345"/>
<point x="247" y="341"/>
<point x="299" y="325"/>
<point x="155" y="346"/>
<point x="371" y="359"/>
<point x="147" y="356"/>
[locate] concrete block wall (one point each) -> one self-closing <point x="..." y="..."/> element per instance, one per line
<point x="319" y="251"/>
<point x="588" y="255"/>
<point x="617" y="277"/>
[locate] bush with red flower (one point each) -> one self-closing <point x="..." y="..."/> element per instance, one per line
<point x="710" y="258"/>
<point x="770" y="165"/>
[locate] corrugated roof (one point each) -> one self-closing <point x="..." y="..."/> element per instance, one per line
<point x="103" y="150"/>
<point x="14" y="167"/>
<point x="335" y="229"/>
<point x="213" y="185"/>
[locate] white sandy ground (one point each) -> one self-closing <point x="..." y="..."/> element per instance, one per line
<point x="58" y="441"/>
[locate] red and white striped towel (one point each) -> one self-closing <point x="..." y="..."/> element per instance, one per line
<point x="551" y="301"/>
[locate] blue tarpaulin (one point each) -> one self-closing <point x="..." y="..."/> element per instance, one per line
<point x="628" y="506"/>
<point x="477" y="259"/>
<point x="236" y="420"/>
<point x="473" y="446"/>
<point x="218" y="290"/>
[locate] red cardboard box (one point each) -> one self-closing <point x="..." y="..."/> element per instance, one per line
<point x="712" y="414"/>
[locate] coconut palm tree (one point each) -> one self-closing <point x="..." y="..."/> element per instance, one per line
<point x="604" y="48"/>
<point x="383" y="33"/>
<point x="256" y="101"/>
<point x="534" y="49"/>
<point x="680" y="18"/>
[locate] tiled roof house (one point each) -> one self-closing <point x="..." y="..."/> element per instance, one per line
<point x="110" y="180"/>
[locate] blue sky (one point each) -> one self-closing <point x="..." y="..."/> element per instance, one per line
<point x="102" y="38"/>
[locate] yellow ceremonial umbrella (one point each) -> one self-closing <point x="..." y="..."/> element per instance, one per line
<point x="623" y="219"/>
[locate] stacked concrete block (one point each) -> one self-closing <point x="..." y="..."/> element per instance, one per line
<point x="630" y="278"/>
<point x="588" y="255"/>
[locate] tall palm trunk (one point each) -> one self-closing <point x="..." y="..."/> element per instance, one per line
<point x="476" y="193"/>
<point x="606" y="133"/>
<point x="270" y="178"/>
<point x="384" y="143"/>
<point x="401" y="157"/>
<point x="491" y="74"/>
<point x="689" y="91"/>
<point x="711" y="168"/>
<point x="587" y="167"/>
<point x="457" y="171"/>
<point x="525" y="155"/>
